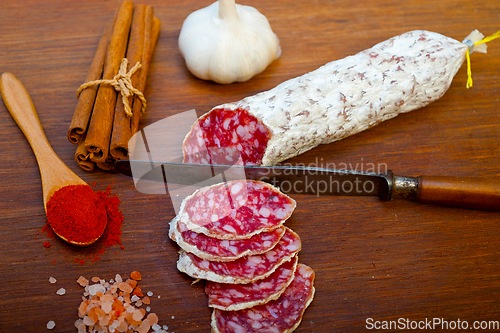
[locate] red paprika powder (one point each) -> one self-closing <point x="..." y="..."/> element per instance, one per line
<point x="112" y="233"/>
<point x="77" y="213"/>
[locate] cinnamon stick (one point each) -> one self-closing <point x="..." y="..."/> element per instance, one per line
<point x="83" y="109"/>
<point x="141" y="85"/>
<point x="82" y="156"/>
<point x="129" y="126"/>
<point x="107" y="165"/>
<point x="101" y="122"/>
<point x="122" y="149"/>
<point x="138" y="33"/>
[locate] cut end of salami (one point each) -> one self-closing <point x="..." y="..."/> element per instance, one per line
<point x="236" y="131"/>
<point x="236" y="210"/>
<point x="279" y="316"/>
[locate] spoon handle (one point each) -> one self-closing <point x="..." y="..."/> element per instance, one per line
<point x="23" y="111"/>
<point x="54" y="173"/>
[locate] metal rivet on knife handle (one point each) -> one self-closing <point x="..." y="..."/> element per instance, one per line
<point x="404" y="187"/>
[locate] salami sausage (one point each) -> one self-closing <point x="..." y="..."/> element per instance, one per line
<point x="215" y="249"/>
<point x="244" y="270"/>
<point x="236" y="209"/>
<point x="280" y="316"/>
<point x="337" y="100"/>
<point x="231" y="297"/>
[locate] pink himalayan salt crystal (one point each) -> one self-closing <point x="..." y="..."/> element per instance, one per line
<point x="123" y="326"/>
<point x="153" y="318"/>
<point x="80" y="326"/>
<point x="104" y="320"/>
<point x="107" y="306"/>
<point x="82" y="309"/>
<point x="82" y="281"/>
<point x="87" y="321"/>
<point x="95" y="288"/>
<point x="138" y="315"/>
<point x="125" y="287"/>
<point x="144" y="326"/>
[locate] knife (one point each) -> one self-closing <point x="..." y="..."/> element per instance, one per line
<point x="465" y="192"/>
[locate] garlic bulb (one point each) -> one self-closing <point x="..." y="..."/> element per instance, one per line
<point x="226" y="42"/>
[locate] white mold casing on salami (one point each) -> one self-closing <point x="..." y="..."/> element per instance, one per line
<point x="346" y="96"/>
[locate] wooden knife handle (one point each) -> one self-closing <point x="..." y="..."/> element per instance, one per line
<point x="467" y="192"/>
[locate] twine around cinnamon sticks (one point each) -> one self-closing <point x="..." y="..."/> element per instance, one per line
<point x="122" y="83"/>
<point x="102" y="123"/>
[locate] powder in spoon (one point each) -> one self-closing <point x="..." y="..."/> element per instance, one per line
<point x="77" y="213"/>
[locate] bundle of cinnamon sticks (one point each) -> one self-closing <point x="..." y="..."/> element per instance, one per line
<point x="100" y="126"/>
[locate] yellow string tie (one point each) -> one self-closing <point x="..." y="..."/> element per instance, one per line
<point x="123" y="84"/>
<point x="467" y="55"/>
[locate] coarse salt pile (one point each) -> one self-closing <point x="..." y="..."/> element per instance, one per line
<point x="114" y="306"/>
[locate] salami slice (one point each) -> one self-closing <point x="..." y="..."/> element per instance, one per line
<point x="231" y="297"/>
<point x="337" y="100"/>
<point x="215" y="249"/>
<point x="244" y="270"/>
<point x="236" y="209"/>
<point x="280" y="316"/>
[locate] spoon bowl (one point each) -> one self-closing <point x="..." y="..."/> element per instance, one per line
<point x="54" y="173"/>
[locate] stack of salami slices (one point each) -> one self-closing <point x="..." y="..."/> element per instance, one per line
<point x="232" y="235"/>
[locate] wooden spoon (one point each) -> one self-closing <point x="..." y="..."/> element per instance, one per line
<point x="54" y="173"/>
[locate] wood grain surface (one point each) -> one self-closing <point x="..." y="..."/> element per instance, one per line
<point x="373" y="259"/>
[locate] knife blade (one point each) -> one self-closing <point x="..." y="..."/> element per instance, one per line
<point x="466" y="192"/>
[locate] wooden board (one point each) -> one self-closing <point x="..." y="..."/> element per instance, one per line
<point x="381" y="260"/>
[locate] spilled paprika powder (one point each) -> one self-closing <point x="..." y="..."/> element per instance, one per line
<point x="112" y="233"/>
